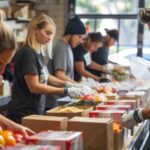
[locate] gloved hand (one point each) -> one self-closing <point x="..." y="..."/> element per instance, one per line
<point x="106" y="69"/>
<point x="74" y="92"/>
<point x="132" y="118"/>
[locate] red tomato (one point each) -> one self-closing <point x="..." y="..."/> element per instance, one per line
<point x="88" y="97"/>
<point x="19" y="137"/>
<point x="114" y="90"/>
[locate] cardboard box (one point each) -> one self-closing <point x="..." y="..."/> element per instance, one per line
<point x="65" y="139"/>
<point x="113" y="107"/>
<point x="32" y="147"/>
<point x="132" y="103"/>
<point x="84" y="111"/>
<point x="97" y="132"/>
<point x="140" y="96"/>
<point x="114" y="114"/>
<point x="119" y="140"/>
<point x="111" y="96"/>
<point x="39" y="123"/>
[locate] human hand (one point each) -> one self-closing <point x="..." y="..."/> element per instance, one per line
<point x="132" y="118"/>
<point x="14" y="127"/>
<point x="106" y="69"/>
<point x="75" y="92"/>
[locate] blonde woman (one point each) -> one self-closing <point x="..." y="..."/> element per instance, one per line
<point x="7" y="50"/>
<point x="31" y="75"/>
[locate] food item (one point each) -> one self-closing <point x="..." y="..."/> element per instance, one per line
<point x="8" y="138"/>
<point x="2" y="141"/>
<point x="83" y="103"/>
<point x="18" y="137"/>
<point x="117" y="127"/>
<point x="88" y="97"/>
<point x="119" y="73"/>
<point x="106" y="89"/>
<point x="69" y="110"/>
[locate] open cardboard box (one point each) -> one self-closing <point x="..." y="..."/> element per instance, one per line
<point x="85" y="111"/>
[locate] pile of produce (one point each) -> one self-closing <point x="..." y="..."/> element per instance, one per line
<point x="120" y="74"/>
<point x="69" y="110"/>
<point x="8" y="138"/>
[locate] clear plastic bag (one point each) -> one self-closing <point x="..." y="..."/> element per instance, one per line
<point x="139" y="68"/>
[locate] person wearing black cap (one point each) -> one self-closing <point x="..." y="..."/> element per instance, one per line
<point x="138" y="115"/>
<point x="82" y="56"/>
<point x="62" y="63"/>
<point x="101" y="55"/>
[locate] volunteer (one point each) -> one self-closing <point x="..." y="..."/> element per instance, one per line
<point x="31" y="75"/>
<point x="62" y="63"/>
<point x="62" y="57"/>
<point x="136" y="116"/>
<point x="101" y="55"/>
<point x="7" y="50"/>
<point x="82" y="57"/>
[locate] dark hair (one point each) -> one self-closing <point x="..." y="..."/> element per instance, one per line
<point x="95" y="36"/>
<point x="113" y="33"/>
<point x="144" y="15"/>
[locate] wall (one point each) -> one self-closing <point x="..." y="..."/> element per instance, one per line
<point x="58" y="10"/>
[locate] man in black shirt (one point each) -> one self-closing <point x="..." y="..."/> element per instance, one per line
<point x="101" y="55"/>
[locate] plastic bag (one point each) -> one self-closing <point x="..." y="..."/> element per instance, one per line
<point x="139" y="68"/>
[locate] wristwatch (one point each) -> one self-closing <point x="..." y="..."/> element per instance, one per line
<point x="65" y="91"/>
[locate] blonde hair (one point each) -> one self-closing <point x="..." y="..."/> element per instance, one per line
<point x="38" y="22"/>
<point x="7" y="37"/>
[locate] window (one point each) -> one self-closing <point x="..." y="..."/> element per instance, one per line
<point x="107" y="6"/>
<point x="112" y="14"/>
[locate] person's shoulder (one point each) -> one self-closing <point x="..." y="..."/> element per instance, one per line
<point x="24" y="51"/>
<point x="60" y="44"/>
<point x="78" y="48"/>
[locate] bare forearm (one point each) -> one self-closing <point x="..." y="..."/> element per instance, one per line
<point x="65" y="78"/>
<point x="87" y="74"/>
<point x="52" y="80"/>
<point x="46" y="89"/>
<point x="95" y="66"/>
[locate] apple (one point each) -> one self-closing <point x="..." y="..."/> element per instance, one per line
<point x="88" y="97"/>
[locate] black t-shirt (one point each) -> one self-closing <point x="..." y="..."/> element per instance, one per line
<point x="100" y="57"/>
<point x="23" y="102"/>
<point x="79" y="52"/>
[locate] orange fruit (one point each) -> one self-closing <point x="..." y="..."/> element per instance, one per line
<point x="10" y="140"/>
<point x="6" y="132"/>
<point x="8" y="137"/>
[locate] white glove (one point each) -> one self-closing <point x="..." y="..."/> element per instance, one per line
<point x="132" y="118"/>
<point x="75" y="92"/>
<point x="106" y="69"/>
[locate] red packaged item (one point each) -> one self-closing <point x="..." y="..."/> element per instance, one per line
<point x="132" y="103"/>
<point x="32" y="147"/>
<point x="114" y="107"/>
<point x="114" y="114"/>
<point x="67" y="140"/>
